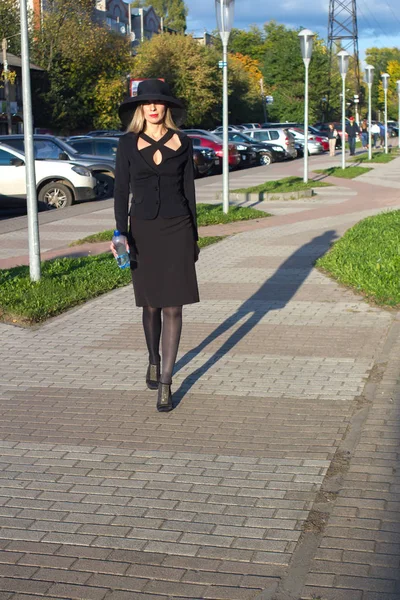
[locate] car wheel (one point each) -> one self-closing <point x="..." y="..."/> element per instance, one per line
<point x="55" y="195"/>
<point x="265" y="159"/>
<point x="104" y="185"/>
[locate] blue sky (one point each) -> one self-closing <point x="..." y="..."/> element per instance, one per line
<point x="378" y="20"/>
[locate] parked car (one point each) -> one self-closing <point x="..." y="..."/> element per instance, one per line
<point x="251" y="125"/>
<point x="299" y="134"/>
<point x="58" y="183"/>
<point x="53" y="148"/>
<point x="278" y="137"/>
<point x="100" y="146"/>
<point x="313" y="147"/>
<point x="265" y="153"/>
<point x="220" y="129"/>
<point x="112" y="132"/>
<point x="214" y="142"/>
<point x="205" y="160"/>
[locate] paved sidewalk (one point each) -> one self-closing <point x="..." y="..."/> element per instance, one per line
<point x="274" y="477"/>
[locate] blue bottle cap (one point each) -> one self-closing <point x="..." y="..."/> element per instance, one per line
<point x="116" y="233"/>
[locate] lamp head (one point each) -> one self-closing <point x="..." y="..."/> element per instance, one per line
<point x="385" y="81"/>
<point x="369" y="74"/>
<point x="343" y="58"/>
<point x="306" y="43"/>
<point x="224" y="10"/>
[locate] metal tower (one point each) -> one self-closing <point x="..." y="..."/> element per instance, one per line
<point x="343" y="32"/>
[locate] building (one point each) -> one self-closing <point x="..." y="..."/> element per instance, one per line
<point x="205" y="40"/>
<point x="14" y="64"/>
<point x="113" y="14"/>
<point x="145" y="24"/>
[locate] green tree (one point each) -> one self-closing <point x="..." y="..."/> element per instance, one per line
<point x="190" y="69"/>
<point x="380" y="58"/>
<point x="283" y="72"/>
<point x="10" y="25"/>
<point x="249" y="43"/>
<point x="78" y="54"/>
<point x="174" y="12"/>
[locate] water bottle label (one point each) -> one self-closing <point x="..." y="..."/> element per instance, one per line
<point x="123" y="261"/>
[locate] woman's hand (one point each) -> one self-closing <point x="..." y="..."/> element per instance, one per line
<point x="113" y="249"/>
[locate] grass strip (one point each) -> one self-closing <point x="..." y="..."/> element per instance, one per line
<point x="207" y="214"/>
<point x="377" y="157"/>
<point x="367" y="258"/>
<point x="347" y="173"/>
<point x="281" y="186"/>
<point x="65" y="282"/>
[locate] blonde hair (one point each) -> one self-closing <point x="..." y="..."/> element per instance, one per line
<point x="138" y="122"/>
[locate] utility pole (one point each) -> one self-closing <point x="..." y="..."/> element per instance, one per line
<point x="31" y="196"/>
<point x="6" y="85"/>
<point x="263" y="99"/>
<point x="343" y="35"/>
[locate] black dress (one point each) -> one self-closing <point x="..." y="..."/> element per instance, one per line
<point x="163" y="230"/>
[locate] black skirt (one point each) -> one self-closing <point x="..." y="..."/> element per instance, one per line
<point x="163" y="265"/>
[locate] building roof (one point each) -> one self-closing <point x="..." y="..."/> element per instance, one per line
<point x="15" y="61"/>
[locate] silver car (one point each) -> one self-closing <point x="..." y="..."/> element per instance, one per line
<point x="49" y="147"/>
<point x="279" y="136"/>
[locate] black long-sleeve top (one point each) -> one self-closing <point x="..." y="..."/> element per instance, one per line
<point x="166" y="189"/>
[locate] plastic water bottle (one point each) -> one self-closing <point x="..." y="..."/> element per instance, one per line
<point x="119" y="242"/>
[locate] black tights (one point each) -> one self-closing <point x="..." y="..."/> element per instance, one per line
<point x="170" y="334"/>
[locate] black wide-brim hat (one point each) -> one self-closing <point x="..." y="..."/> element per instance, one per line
<point x="152" y="90"/>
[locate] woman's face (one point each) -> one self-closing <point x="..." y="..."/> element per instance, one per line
<point x="154" y="112"/>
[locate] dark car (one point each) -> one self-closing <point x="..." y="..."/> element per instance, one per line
<point x="51" y="147"/>
<point x="205" y="160"/>
<point x="266" y="153"/>
<point x="100" y="146"/>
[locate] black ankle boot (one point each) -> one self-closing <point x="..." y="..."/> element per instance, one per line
<point x="153" y="376"/>
<point x="164" y="399"/>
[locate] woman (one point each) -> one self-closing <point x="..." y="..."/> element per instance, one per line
<point x="332" y="137"/>
<point x="155" y="163"/>
<point x="364" y="134"/>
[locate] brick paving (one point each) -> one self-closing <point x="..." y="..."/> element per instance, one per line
<point x="274" y="477"/>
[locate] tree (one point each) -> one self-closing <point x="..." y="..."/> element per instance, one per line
<point x="283" y="71"/>
<point x="393" y="69"/>
<point x="250" y="43"/>
<point x="10" y="25"/>
<point x="380" y="58"/>
<point x="245" y="101"/>
<point x="190" y="69"/>
<point x="174" y="12"/>
<point x="79" y="56"/>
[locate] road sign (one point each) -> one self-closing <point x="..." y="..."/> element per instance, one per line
<point x="269" y="99"/>
<point x="222" y="64"/>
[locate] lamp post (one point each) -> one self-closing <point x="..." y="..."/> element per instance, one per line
<point x="343" y="58"/>
<point x="224" y="11"/>
<point x="306" y="44"/>
<point x="398" y="118"/>
<point x="385" y="84"/>
<point x="369" y="78"/>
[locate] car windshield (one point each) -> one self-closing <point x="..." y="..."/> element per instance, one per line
<point x="214" y="137"/>
<point x="66" y="146"/>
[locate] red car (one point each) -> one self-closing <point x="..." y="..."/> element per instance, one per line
<point x="299" y="133"/>
<point x="211" y="141"/>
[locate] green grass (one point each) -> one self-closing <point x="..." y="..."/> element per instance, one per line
<point x="281" y="186"/>
<point x="65" y="282"/>
<point x="367" y="258"/>
<point x="377" y="157"/>
<point x="347" y="173"/>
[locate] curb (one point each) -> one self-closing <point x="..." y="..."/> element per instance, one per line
<point x="262" y="196"/>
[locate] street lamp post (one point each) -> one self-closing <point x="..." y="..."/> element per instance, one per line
<point x="369" y="78"/>
<point x="385" y="83"/>
<point x="224" y="11"/>
<point x="31" y="195"/>
<point x="398" y="102"/>
<point x="306" y="44"/>
<point x="343" y="58"/>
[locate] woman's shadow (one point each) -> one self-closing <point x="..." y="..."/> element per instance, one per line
<point x="274" y="294"/>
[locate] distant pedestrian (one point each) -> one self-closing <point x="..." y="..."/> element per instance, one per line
<point x="364" y="134"/>
<point x="332" y="137"/>
<point x="352" y="129"/>
<point x="375" y="131"/>
<point x="155" y="163"/>
<point x="382" y="133"/>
